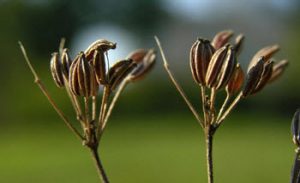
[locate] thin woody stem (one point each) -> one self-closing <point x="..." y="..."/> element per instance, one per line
<point x="212" y="104"/>
<point x="204" y="102"/>
<point x="178" y="87"/>
<point x="86" y="111"/>
<point x="113" y="102"/>
<point x="94" y="108"/>
<point x="103" y="106"/>
<point x="224" y="105"/>
<point x="62" y="45"/>
<point x="98" y="164"/>
<point x="209" y="156"/>
<point x="46" y="93"/>
<point x="232" y="105"/>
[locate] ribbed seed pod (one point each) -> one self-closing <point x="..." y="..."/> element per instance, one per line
<point x="266" y="75"/>
<point x="101" y="45"/>
<point x="100" y="67"/>
<point x="215" y="66"/>
<point x="278" y="70"/>
<point x="253" y="77"/>
<point x="236" y="81"/>
<point x="82" y="77"/>
<point x="239" y="40"/>
<point x="118" y="72"/>
<point x="266" y="52"/>
<point x="295" y="128"/>
<point x="144" y="61"/>
<point x="221" y="39"/>
<point x="57" y="70"/>
<point x="65" y="62"/>
<point x="200" y="56"/>
<point x="227" y="69"/>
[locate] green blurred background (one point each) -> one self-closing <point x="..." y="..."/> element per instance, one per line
<point x="152" y="136"/>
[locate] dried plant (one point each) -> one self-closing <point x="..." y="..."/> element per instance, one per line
<point x="295" y="128"/>
<point x="215" y="68"/>
<point x="82" y="78"/>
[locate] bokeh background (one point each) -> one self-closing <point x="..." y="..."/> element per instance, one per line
<point x="152" y="136"/>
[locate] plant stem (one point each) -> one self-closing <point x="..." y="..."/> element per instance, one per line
<point x="209" y="157"/>
<point x="99" y="166"/>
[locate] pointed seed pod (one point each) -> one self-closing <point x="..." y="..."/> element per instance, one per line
<point x="295" y="128"/>
<point x="100" y="45"/>
<point x="238" y="45"/>
<point x="100" y="67"/>
<point x="215" y="66"/>
<point x="227" y="69"/>
<point x="200" y="56"/>
<point x="119" y="71"/>
<point x="253" y="77"/>
<point x="266" y="75"/>
<point x="266" y="52"/>
<point x="73" y="77"/>
<point x="57" y="70"/>
<point x="278" y="70"/>
<point x="144" y="61"/>
<point x="66" y="62"/>
<point x="236" y="81"/>
<point x="221" y="39"/>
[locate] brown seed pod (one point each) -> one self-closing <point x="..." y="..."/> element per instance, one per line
<point x="221" y="39"/>
<point x="119" y="71"/>
<point x="266" y="52"/>
<point x="227" y="69"/>
<point x="65" y="62"/>
<point x="57" y="70"/>
<point x="266" y="75"/>
<point x="200" y="56"/>
<point x="215" y="66"/>
<point x="144" y="61"/>
<point x="236" y="81"/>
<point x="82" y="77"/>
<point x="253" y="77"/>
<point x="278" y="70"/>
<point x="100" y="67"/>
<point x="239" y="40"/>
<point x="101" y="45"/>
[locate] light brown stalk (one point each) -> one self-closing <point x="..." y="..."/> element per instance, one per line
<point x="224" y="105"/>
<point x="94" y="108"/>
<point x="204" y="103"/>
<point x="178" y="87"/>
<point x="46" y="93"/>
<point x="98" y="164"/>
<point x="105" y="96"/>
<point x="212" y="104"/>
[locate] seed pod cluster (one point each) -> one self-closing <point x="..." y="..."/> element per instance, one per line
<point x="214" y="65"/>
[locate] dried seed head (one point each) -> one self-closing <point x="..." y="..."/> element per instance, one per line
<point x="82" y="77"/>
<point x="239" y="40"/>
<point x="236" y="81"/>
<point x="100" y="67"/>
<point x="295" y="128"/>
<point x="266" y="75"/>
<point x="278" y="70"/>
<point x="221" y="38"/>
<point x="266" y="52"/>
<point x="200" y="56"/>
<point x="101" y="45"/>
<point x="119" y="71"/>
<point x="221" y="67"/>
<point x="253" y="77"/>
<point x="144" y="60"/>
<point x="65" y="62"/>
<point x="57" y="70"/>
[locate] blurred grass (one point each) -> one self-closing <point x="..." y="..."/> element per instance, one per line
<point x="155" y="149"/>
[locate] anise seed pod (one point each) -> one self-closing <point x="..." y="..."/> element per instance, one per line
<point x="238" y="45"/>
<point x="221" y="39"/>
<point x="100" y="67"/>
<point x="236" y="81"/>
<point x="100" y="45"/>
<point x="253" y="77"/>
<point x="267" y="73"/>
<point x="57" y="70"/>
<point x="73" y="77"/>
<point x="266" y="52"/>
<point x="215" y="66"/>
<point x="200" y="56"/>
<point x="144" y="61"/>
<point x="66" y="62"/>
<point x="278" y="70"/>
